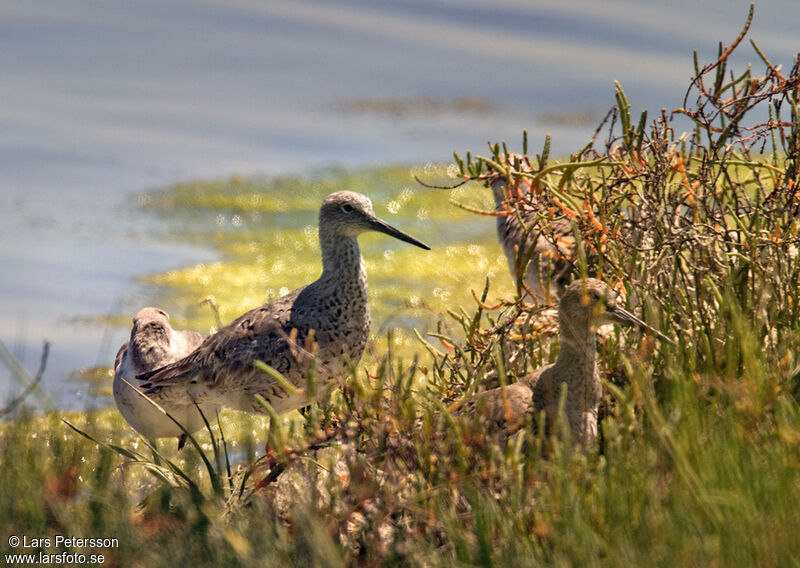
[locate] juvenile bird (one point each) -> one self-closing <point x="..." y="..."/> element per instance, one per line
<point x="153" y="343"/>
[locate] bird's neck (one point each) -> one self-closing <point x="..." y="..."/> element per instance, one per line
<point x="342" y="262"/>
<point x="578" y="348"/>
<point x="576" y="366"/>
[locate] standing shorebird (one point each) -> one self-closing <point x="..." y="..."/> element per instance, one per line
<point x="549" y="253"/>
<point x="330" y="315"/>
<point x="153" y="344"/>
<point x="585" y="305"/>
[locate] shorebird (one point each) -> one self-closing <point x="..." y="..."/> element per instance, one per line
<point x="585" y="305"/>
<point x="153" y="344"/>
<point x="549" y="253"/>
<point x="325" y="323"/>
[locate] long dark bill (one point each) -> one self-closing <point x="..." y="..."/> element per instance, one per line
<point x="383" y="227"/>
<point x="623" y="316"/>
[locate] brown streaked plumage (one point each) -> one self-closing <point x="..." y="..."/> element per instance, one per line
<point x="335" y="307"/>
<point x="585" y="305"/>
<point x="552" y="250"/>
<point x="549" y="269"/>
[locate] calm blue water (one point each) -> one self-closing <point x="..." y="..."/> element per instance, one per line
<point x="102" y="99"/>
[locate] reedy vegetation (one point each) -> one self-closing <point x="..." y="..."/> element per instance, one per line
<point x="699" y="462"/>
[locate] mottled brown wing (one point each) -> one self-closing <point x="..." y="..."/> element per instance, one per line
<point x="257" y="334"/>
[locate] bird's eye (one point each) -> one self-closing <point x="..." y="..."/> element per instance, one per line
<point x="347" y="208"/>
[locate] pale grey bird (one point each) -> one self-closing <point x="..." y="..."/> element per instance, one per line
<point x="585" y="305"/>
<point x="549" y="252"/>
<point x="223" y="371"/>
<point x="153" y="343"/>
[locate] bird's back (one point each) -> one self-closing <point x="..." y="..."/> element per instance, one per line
<point x="278" y="334"/>
<point x="550" y="249"/>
